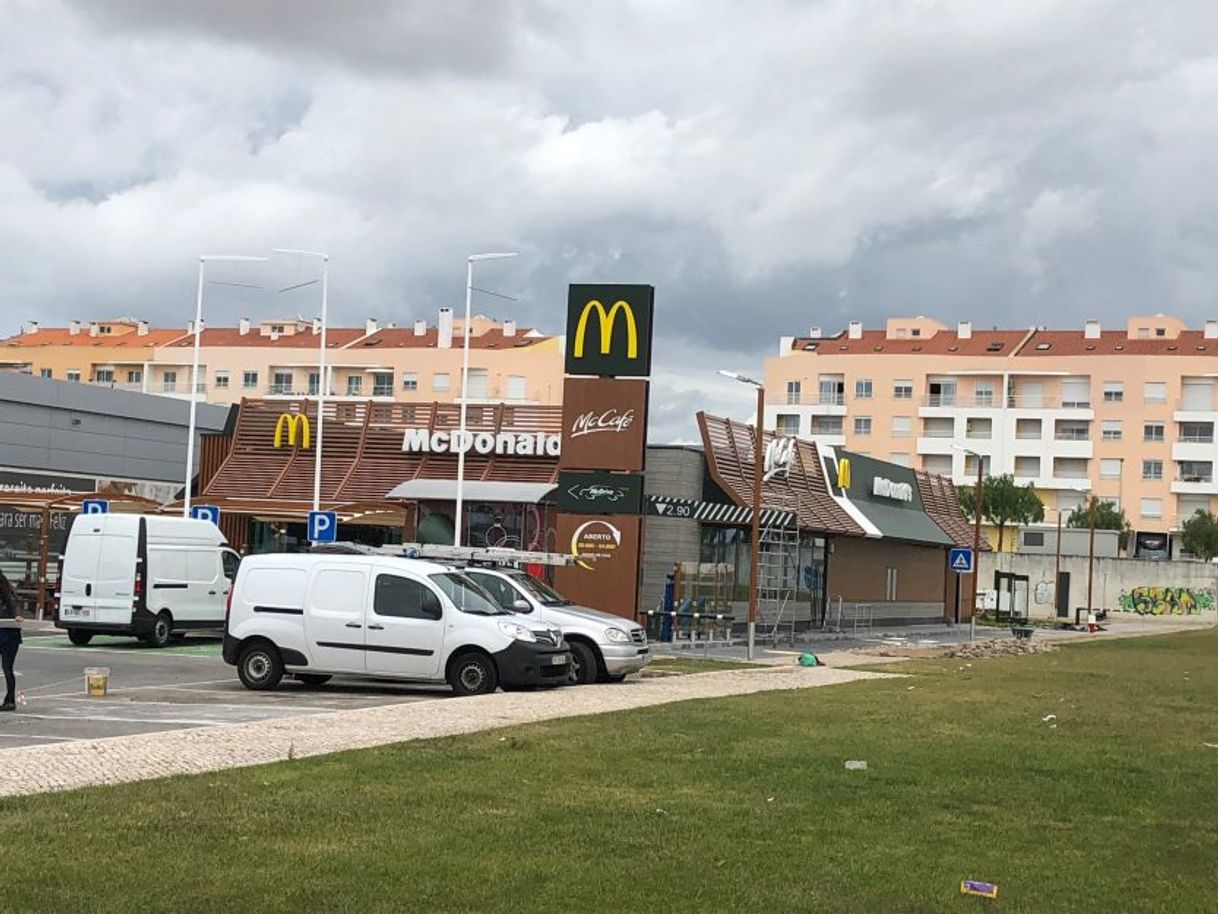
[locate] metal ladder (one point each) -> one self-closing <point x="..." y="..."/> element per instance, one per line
<point x="778" y="575"/>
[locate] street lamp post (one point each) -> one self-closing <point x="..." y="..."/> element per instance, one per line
<point x="758" y="464"/>
<point x="204" y="260"/>
<point x="978" y="501"/>
<point x="463" y="432"/>
<point x="323" y="383"/>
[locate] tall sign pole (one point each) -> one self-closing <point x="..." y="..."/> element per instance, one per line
<point x="755" y="552"/>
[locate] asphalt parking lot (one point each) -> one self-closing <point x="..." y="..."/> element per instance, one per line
<point x="184" y="685"/>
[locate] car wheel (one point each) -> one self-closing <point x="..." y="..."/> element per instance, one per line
<point x="162" y="629"/>
<point x="259" y="667"/>
<point x="313" y="680"/>
<point x="473" y="674"/>
<point x="79" y="638"/>
<point x="583" y="667"/>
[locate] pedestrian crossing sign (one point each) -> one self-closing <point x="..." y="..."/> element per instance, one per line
<point x="960" y="561"/>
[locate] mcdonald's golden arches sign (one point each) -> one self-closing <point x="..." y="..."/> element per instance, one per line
<point x="293" y="423"/>
<point x="609" y="330"/>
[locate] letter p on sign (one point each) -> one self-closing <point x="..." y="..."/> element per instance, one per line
<point x="323" y="526"/>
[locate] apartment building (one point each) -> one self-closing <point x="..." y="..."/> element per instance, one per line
<point x="279" y="357"/>
<point x="1125" y="413"/>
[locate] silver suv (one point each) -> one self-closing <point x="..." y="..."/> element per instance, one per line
<point x="604" y="647"/>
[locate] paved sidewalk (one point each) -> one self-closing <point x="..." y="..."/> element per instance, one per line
<point x="65" y="766"/>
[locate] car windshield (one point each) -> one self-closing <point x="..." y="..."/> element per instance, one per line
<point x="468" y="596"/>
<point x="542" y="592"/>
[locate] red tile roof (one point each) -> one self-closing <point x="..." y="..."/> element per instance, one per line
<point x="404" y="338"/>
<point x="61" y="336"/>
<point x="1117" y="342"/>
<point x="336" y="337"/>
<point x="945" y="342"/>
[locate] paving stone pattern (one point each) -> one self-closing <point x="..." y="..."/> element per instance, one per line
<point x="66" y="766"/>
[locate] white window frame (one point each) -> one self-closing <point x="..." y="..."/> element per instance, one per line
<point x="1114" y="391"/>
<point x="410" y="380"/>
<point x="862" y="426"/>
<point x="864" y="389"/>
<point x="1155" y="439"/>
<point x="1151" y="507"/>
<point x="902" y="389"/>
<point x="1152" y="469"/>
<point x="1154" y="392"/>
<point x="1110" y="430"/>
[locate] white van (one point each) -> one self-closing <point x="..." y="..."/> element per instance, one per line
<point x="143" y="575"/>
<point x="381" y="617"/>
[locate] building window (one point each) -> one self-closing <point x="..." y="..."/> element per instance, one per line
<point x="282" y="383"/>
<point x="1196" y="471"/>
<point x="104" y="376"/>
<point x="440" y="381"/>
<point x="45" y="373"/>
<point x="1152" y="469"/>
<point x="826" y="425"/>
<point x="410" y="381"/>
<point x="382" y="385"/>
<point x="1027" y="467"/>
<point x="832" y="389"/>
<point x="862" y="425"/>
<point x="983" y="393"/>
<point x="169" y="381"/>
<point x="786" y="424"/>
<point x="1028" y="429"/>
<point x="517" y="387"/>
<point x="135" y="376"/>
<point x="249" y="379"/>
<point x="1197" y="432"/>
<point x="902" y="426"/>
<point x="862" y="389"/>
<point x="902" y="390"/>
<point x="941" y="392"/>
<point x="890" y="584"/>
<point x="1152" y="507"/>
<point x="792" y="392"/>
<point x="1152" y="431"/>
<point x="1111" y="430"/>
<point x="1114" y="391"/>
<point x="221" y="380"/>
<point x="277" y="328"/>
<point x="901" y="458"/>
<point x="979" y="428"/>
<point x="1072" y="430"/>
<point x="314" y="384"/>
<point x="355" y="385"/>
<point x="1110" y="468"/>
<point x="73" y="374"/>
<point x="1156" y="392"/>
<point x="1032" y="537"/>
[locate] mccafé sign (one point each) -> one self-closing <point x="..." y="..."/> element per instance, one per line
<point x="539" y="444"/>
<point x="609" y="330"/>
<point x="604" y="423"/>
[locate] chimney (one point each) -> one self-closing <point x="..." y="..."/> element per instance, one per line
<point x="509" y="328"/>
<point x="93" y="325"/>
<point x="30" y="327"/>
<point x="1091" y="330"/>
<point x="316" y="326"/>
<point x="190" y="328"/>
<point x="784" y="345"/>
<point x="964" y="330"/>
<point x="445" y="327"/>
<point x="141" y="328"/>
<point x="856" y="330"/>
<point x="243" y="326"/>
<point x="370" y="326"/>
<point x="420" y="327"/>
<point x="1211" y="330"/>
<point x="815" y="333"/>
<point x="274" y="335"/>
<point x="74" y="328"/>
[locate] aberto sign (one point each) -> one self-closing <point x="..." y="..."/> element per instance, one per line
<point x="539" y="444"/>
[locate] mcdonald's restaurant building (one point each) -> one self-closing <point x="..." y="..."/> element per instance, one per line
<point x="853" y="528"/>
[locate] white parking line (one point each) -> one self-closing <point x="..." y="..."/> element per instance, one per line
<point x="76" y="693"/>
<point x="110" y="719"/>
<point x="129" y="652"/>
<point x="48" y="739"/>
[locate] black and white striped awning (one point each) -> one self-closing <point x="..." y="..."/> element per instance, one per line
<point x="716" y="512"/>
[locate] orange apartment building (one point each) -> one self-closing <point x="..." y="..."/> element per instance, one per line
<point x="1128" y="414"/>
<point x="279" y="358"/>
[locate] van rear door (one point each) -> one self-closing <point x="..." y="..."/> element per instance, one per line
<point x="114" y="588"/>
<point x="76" y="601"/>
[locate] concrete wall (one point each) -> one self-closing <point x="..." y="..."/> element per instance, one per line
<point x="678" y="473"/>
<point x="66" y="427"/>
<point x="1119" y="585"/>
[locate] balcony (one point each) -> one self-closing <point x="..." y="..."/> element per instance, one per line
<point x="809" y="405"/>
<point x="1198" y="484"/>
<point x="1190" y="450"/>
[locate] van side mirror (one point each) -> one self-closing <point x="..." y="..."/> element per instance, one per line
<point x="522" y="606"/>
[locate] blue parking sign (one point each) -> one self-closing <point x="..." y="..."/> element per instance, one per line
<point x="206" y="512"/>
<point x="95" y="506"/>
<point x="323" y="526"/>
<point x="960" y="561"/>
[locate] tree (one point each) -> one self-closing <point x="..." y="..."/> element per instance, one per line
<point x="1003" y="503"/>
<point x="1199" y="535"/>
<point x="1107" y="517"/>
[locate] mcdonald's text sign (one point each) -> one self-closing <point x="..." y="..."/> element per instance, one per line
<point x="609" y="330"/>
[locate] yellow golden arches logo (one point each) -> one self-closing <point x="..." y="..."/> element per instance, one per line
<point x="843" y="473"/>
<point x="606" y="319"/>
<point x="291" y="422"/>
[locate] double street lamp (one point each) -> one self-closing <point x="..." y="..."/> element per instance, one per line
<point x="978" y="502"/>
<point x="758" y="464"/>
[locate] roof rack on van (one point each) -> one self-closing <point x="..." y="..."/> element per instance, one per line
<point x="460" y="555"/>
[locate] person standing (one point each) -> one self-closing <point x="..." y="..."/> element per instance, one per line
<point x="10" y="639"/>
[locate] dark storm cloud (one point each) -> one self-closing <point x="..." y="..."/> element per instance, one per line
<point x="767" y="167"/>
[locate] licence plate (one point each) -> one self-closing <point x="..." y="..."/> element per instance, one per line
<point x="558" y="660"/>
<point x="75" y="612"/>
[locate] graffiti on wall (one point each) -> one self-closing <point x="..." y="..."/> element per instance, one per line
<point x="1166" y="601"/>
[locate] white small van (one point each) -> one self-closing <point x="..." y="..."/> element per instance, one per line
<point x="143" y="575"/>
<point x="381" y="617"/>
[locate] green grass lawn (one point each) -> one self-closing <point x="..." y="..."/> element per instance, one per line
<point x="730" y="805"/>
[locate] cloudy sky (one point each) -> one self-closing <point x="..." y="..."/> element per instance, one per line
<point x="767" y="166"/>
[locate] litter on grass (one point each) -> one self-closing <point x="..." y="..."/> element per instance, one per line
<point x="982" y="889"/>
<point x="856" y="765"/>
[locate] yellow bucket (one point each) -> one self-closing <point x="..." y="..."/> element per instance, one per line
<point x="97" y="680"/>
